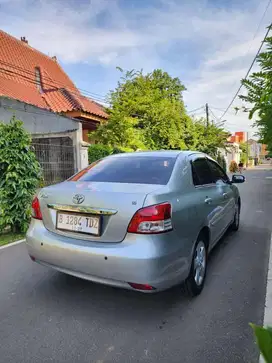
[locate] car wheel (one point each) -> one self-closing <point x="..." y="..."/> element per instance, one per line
<point x="196" y="279"/>
<point x="236" y="221"/>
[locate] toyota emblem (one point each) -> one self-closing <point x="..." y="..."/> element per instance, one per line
<point x="78" y="199"/>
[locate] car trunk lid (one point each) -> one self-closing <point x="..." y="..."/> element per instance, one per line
<point x="113" y="203"/>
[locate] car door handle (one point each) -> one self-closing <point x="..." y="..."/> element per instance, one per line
<point x="208" y="200"/>
<point x="225" y="195"/>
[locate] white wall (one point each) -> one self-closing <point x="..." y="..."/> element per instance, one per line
<point x="231" y="154"/>
<point x="35" y="119"/>
<point x="43" y="123"/>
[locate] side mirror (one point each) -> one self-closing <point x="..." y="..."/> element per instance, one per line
<point x="238" y="179"/>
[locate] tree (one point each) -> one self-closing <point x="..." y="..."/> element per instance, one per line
<point x="243" y="156"/>
<point x="146" y="112"/>
<point x="208" y="138"/>
<point x="259" y="94"/>
<point x="19" y="176"/>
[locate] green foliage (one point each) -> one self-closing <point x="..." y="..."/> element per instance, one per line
<point x="243" y="156"/>
<point x="233" y="168"/>
<point x="19" y="176"/>
<point x="98" y="151"/>
<point x="119" y="150"/>
<point x="264" y="340"/>
<point x="259" y="94"/>
<point x="207" y="138"/>
<point x="221" y="161"/>
<point x="147" y="112"/>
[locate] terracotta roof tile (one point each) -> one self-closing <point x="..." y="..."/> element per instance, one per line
<point x="18" y="62"/>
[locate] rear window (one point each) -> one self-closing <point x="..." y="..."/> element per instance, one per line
<point x="126" y="169"/>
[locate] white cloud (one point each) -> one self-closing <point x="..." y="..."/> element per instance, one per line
<point x="219" y="41"/>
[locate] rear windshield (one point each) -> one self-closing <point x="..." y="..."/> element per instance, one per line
<point x="129" y="169"/>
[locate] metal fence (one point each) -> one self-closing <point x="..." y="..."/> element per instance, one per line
<point x="56" y="157"/>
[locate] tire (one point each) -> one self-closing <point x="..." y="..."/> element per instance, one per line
<point x="196" y="279"/>
<point x="236" y="221"/>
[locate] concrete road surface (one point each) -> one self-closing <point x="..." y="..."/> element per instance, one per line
<point x="46" y="316"/>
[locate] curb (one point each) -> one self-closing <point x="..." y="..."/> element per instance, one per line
<point x="268" y="299"/>
<point x="12" y="244"/>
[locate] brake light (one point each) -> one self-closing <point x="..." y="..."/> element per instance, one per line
<point x="36" y="209"/>
<point x="152" y="219"/>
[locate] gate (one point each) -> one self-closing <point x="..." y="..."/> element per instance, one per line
<point x="56" y="157"/>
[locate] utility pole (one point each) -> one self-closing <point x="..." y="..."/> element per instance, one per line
<point x="247" y="150"/>
<point x="207" y="115"/>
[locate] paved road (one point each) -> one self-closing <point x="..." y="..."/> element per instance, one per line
<point x="46" y="316"/>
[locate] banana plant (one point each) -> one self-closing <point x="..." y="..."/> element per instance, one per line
<point x="264" y="341"/>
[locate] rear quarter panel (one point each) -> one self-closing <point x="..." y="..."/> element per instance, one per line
<point x="186" y="225"/>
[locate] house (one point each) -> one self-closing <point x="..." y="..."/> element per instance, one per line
<point x="239" y="137"/>
<point x="256" y="150"/>
<point x="56" y="140"/>
<point x="231" y="152"/>
<point x="29" y="76"/>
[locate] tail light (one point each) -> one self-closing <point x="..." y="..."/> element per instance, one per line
<point x="36" y="209"/>
<point x="152" y="219"/>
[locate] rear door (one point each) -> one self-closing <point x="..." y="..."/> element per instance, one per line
<point x="225" y="194"/>
<point x="209" y="207"/>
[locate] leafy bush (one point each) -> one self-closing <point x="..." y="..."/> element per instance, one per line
<point x="98" y="151"/>
<point x="233" y="168"/>
<point x="19" y="176"/>
<point x="119" y="150"/>
<point x="264" y="341"/>
<point x="221" y="161"/>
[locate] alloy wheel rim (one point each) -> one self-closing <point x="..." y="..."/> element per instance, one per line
<point x="200" y="263"/>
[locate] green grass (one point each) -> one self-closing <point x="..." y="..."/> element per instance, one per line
<point x="9" y="237"/>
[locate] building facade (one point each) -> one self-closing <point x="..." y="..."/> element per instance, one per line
<point x="57" y="140"/>
<point x="34" y="78"/>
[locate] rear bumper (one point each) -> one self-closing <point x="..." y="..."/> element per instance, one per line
<point x="157" y="260"/>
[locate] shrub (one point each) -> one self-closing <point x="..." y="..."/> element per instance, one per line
<point x="119" y="150"/>
<point x="19" y="176"/>
<point x="98" y="151"/>
<point x="264" y="341"/>
<point x="221" y="161"/>
<point x="233" y="168"/>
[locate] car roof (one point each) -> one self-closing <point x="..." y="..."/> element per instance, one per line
<point x="158" y="153"/>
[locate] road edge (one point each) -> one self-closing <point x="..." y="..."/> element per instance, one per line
<point x="268" y="298"/>
<point x="12" y="244"/>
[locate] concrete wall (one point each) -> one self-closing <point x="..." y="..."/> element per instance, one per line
<point x="232" y="153"/>
<point x="36" y="120"/>
<point x="41" y="123"/>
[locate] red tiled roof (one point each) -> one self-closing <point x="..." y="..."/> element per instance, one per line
<point x="18" y="62"/>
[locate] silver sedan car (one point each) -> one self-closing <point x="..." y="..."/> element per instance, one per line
<point x="144" y="221"/>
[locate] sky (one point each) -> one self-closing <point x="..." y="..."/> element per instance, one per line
<point x="208" y="44"/>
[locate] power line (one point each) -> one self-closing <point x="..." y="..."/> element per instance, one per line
<point x="49" y="78"/>
<point x="196" y="109"/>
<point x="28" y="72"/>
<point x="262" y="18"/>
<point x="217" y="108"/>
<point x="241" y="85"/>
<point x="45" y="113"/>
<point x="30" y="80"/>
<point x="216" y="118"/>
